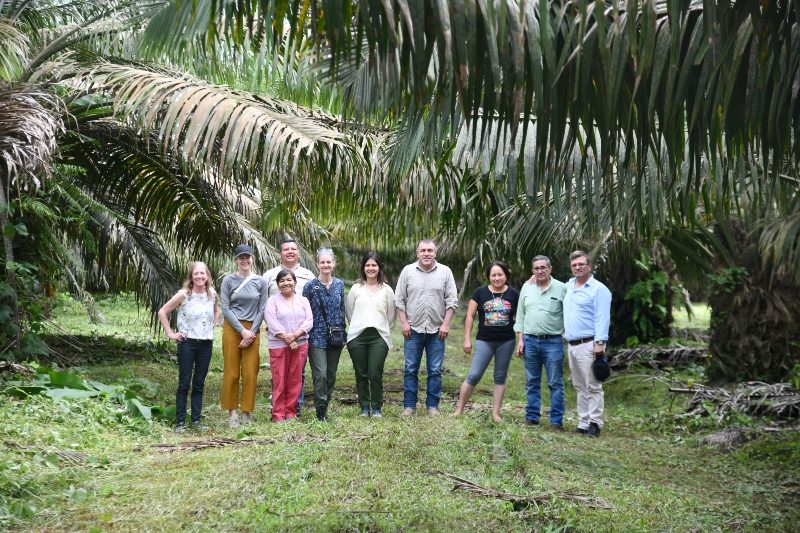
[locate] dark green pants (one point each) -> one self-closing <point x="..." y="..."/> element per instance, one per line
<point x="368" y="352"/>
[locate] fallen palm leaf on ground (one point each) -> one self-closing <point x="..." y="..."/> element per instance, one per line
<point x="205" y="444"/>
<point x="657" y="357"/>
<point x="779" y="400"/>
<point x="520" y="502"/>
<point x="66" y="455"/>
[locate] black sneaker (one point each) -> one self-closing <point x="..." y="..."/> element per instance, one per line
<point x="581" y="431"/>
<point x="180" y="428"/>
<point x="322" y="414"/>
<point x="594" y="430"/>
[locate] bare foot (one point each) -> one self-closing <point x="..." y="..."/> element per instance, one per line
<point x="497" y="418"/>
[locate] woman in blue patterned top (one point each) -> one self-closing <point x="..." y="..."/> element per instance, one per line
<point x="326" y="296"/>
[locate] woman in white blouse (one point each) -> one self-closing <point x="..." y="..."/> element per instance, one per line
<point x="198" y="310"/>
<point x="371" y="314"/>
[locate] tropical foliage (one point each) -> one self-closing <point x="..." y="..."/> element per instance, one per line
<point x="504" y="127"/>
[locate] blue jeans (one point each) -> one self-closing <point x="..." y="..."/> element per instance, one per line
<point x="434" y="358"/>
<point x="550" y="354"/>
<point x="194" y="356"/>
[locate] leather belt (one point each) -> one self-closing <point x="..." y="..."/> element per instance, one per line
<point x="543" y="337"/>
<point x="580" y="341"/>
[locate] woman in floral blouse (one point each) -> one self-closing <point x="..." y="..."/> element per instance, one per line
<point x="198" y="310"/>
<point x="326" y="296"/>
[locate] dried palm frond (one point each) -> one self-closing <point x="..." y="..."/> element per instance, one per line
<point x="521" y="502"/>
<point x="15" y="368"/>
<point x="778" y="400"/>
<point x="658" y="357"/>
<point x="28" y="129"/>
<point x="193" y="446"/>
<point x="70" y="456"/>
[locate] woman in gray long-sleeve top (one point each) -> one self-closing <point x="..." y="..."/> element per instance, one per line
<point x="243" y="296"/>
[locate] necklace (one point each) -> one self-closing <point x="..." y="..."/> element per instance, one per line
<point x="495" y="296"/>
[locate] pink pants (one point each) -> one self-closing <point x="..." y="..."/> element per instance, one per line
<point x="287" y="379"/>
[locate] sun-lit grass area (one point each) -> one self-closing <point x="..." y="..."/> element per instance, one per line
<point x="646" y="472"/>
<point x="699" y="319"/>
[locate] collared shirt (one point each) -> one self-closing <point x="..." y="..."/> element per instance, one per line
<point x="319" y="295"/>
<point x="587" y="310"/>
<point x="302" y="274"/>
<point x="541" y="312"/>
<point x="425" y="296"/>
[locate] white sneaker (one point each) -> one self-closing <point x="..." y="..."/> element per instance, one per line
<point x="408" y="411"/>
<point x="433" y="411"/>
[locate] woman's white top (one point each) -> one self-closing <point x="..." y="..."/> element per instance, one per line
<point x="196" y="316"/>
<point x="367" y="309"/>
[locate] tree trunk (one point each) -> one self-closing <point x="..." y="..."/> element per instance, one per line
<point x="755" y="334"/>
<point x="9" y="257"/>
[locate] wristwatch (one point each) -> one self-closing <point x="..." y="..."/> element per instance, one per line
<point x="600" y="343"/>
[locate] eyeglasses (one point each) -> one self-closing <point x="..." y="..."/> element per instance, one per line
<point x="540" y="268"/>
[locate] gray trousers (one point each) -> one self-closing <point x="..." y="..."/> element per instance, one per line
<point x="324" y="363"/>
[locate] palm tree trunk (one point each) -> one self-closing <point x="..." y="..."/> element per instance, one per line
<point x="9" y="253"/>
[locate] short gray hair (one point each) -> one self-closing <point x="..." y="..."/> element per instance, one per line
<point x="326" y="251"/>
<point x="541" y="258"/>
<point x="425" y="241"/>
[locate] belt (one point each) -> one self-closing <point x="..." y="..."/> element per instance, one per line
<point x="543" y="337"/>
<point x="580" y="341"/>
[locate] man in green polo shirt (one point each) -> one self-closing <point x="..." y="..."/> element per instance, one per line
<point x="540" y="327"/>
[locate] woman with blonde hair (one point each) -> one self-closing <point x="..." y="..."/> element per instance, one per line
<point x="198" y="310"/>
<point x="325" y="294"/>
<point x="243" y="295"/>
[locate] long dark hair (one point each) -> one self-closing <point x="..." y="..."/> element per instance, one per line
<point x="362" y="278"/>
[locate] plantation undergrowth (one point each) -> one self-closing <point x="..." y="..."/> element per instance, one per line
<point x="72" y="464"/>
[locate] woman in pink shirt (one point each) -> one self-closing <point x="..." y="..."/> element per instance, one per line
<point x="289" y="320"/>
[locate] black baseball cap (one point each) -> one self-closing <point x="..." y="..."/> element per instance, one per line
<point x="243" y="249"/>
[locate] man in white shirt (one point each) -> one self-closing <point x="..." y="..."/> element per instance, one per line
<point x="290" y="260"/>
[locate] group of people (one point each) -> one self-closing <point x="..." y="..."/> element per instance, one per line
<point x="310" y="317"/>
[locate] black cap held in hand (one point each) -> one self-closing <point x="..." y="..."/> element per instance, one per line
<point x="601" y="369"/>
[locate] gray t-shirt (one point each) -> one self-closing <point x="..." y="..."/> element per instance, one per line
<point x="247" y="304"/>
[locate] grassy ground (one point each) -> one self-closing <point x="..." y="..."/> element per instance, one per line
<point x="646" y="472"/>
<point x="700" y="318"/>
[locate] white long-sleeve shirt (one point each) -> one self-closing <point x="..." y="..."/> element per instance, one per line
<point x="367" y="309"/>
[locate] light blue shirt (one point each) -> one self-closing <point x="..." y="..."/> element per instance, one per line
<point x="587" y="310"/>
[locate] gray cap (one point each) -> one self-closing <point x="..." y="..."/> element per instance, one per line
<point x="243" y="249"/>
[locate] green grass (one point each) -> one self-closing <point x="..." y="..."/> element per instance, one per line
<point x="700" y="319"/>
<point x="360" y="474"/>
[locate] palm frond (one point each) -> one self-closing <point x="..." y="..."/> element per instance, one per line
<point x="29" y="124"/>
<point x="14" y="50"/>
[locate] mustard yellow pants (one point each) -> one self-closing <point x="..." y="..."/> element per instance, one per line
<point x="239" y="362"/>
